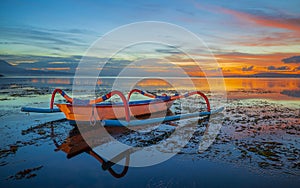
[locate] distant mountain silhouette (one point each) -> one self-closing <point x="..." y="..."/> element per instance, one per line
<point x="291" y="93"/>
<point x="275" y="75"/>
<point x="7" y="69"/>
<point x="265" y="75"/>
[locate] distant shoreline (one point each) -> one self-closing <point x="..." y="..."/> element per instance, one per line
<point x="7" y="70"/>
<point x="111" y="77"/>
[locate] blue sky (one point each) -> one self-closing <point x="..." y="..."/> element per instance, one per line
<point x="234" y="30"/>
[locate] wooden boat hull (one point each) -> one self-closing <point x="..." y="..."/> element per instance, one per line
<point x="118" y="114"/>
<point x="112" y="111"/>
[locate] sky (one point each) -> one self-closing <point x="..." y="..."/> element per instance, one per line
<point x="245" y="37"/>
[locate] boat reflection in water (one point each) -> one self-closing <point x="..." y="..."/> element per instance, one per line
<point x="75" y="145"/>
<point x="87" y="139"/>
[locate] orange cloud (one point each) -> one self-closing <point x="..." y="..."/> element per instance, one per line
<point x="34" y="69"/>
<point x="51" y="69"/>
<point x="276" y="39"/>
<point x="59" y="68"/>
<point x="239" y="64"/>
<point x="252" y="59"/>
<point x="278" y="23"/>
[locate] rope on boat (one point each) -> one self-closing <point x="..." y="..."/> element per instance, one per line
<point x="93" y="120"/>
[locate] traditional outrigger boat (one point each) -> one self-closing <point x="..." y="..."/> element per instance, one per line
<point x="119" y="113"/>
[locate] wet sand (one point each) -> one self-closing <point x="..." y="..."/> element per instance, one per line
<point x="258" y="145"/>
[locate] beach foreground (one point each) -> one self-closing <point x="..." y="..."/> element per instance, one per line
<point x="258" y="145"/>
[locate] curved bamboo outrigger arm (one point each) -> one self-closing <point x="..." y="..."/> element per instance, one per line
<point x="92" y="102"/>
<point x="63" y="94"/>
<point x="174" y="97"/>
<point x="193" y="93"/>
<point x="141" y="92"/>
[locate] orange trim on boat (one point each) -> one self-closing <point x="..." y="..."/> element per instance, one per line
<point x="84" y="110"/>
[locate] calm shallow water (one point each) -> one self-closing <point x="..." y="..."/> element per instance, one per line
<point x="261" y="152"/>
<point x="275" y="88"/>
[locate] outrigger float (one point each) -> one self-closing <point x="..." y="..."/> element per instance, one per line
<point x="119" y="113"/>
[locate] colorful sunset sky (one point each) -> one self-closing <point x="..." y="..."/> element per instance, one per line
<point x="245" y="37"/>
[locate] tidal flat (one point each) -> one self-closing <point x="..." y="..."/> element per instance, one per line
<point x="255" y="143"/>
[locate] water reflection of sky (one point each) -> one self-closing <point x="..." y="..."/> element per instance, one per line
<point x="35" y="148"/>
<point x="275" y="88"/>
<point x="284" y="88"/>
